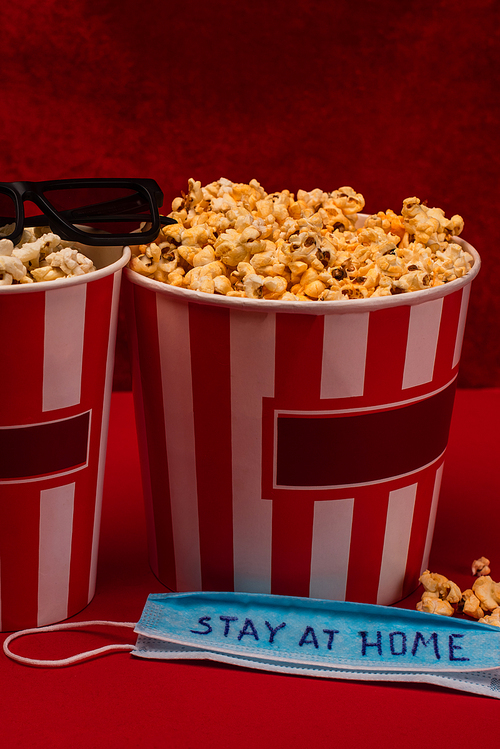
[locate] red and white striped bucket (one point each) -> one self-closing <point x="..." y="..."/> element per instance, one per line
<point x="56" y="373"/>
<point x="291" y="447"/>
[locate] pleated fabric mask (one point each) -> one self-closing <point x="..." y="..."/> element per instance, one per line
<point x="311" y="637"/>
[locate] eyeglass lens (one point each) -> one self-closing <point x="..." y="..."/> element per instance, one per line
<point x="7" y="215"/>
<point x="117" y="210"/>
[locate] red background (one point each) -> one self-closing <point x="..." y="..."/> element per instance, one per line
<point x="395" y="99"/>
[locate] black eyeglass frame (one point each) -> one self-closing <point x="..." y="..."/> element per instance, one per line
<point x="34" y="191"/>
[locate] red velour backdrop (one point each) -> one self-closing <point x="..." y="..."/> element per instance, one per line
<point x="395" y="99"/>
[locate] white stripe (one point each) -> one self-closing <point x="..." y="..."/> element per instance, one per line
<point x="175" y="362"/>
<point x="396" y="543"/>
<point x="432" y="518"/>
<point x="461" y="325"/>
<point x="367" y="409"/>
<point x="108" y="382"/>
<point x="252" y="378"/>
<point x="63" y="346"/>
<point x="344" y="355"/>
<point x="423" y="334"/>
<point x="331" y="540"/>
<point x="54" y="556"/>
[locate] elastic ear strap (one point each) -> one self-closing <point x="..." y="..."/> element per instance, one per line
<point x="74" y="658"/>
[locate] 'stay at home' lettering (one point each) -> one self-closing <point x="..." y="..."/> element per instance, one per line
<point x="248" y="628"/>
<point x="398" y="644"/>
<point x="372" y="644"/>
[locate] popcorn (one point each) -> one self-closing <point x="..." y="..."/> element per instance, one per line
<point x="488" y="592"/>
<point x="484" y="596"/>
<point x="440" y="587"/>
<point x="40" y="256"/>
<point x="309" y="241"/>
<point x="429" y="225"/>
<point x="11" y="269"/>
<point x="470" y="604"/>
<point x="493" y="618"/>
<point x="481" y="566"/>
<point x="431" y="604"/>
<point x="201" y="278"/>
<point x="71" y="262"/>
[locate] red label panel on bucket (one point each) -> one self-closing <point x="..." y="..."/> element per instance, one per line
<point x="322" y="450"/>
<point x="54" y="447"/>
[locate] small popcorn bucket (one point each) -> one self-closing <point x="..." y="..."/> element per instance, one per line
<point x="56" y="374"/>
<point x="290" y="447"/>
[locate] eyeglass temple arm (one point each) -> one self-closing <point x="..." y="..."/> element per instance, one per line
<point x="43" y="220"/>
<point x="108" y="210"/>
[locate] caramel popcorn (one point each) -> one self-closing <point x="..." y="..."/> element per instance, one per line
<point x="40" y="256"/>
<point x="488" y="592"/>
<point x="432" y="604"/>
<point x="481" y="602"/>
<point x="470" y="604"/>
<point x="481" y="567"/>
<point x="440" y="587"/>
<point x="235" y="239"/>
<point x="493" y="618"/>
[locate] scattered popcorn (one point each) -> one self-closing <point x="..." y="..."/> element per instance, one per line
<point x="481" y="566"/>
<point x="488" y="592"/>
<point x="493" y="618"/>
<point x="481" y="602"/>
<point x="431" y="604"/>
<point x="470" y="604"/>
<point x="306" y="247"/>
<point x="40" y="256"/>
<point x="440" y="586"/>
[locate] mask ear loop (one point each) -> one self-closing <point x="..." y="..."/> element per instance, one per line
<point x="74" y="658"/>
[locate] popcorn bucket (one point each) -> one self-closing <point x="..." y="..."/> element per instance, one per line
<point x="291" y="447"/>
<point x="56" y="374"/>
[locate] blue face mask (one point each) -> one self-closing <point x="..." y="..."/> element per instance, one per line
<point x="333" y="639"/>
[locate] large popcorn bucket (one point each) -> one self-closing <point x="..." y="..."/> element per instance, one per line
<point x="56" y="374"/>
<point x="291" y="447"/>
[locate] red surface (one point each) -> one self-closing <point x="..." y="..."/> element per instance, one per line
<point x="396" y="99"/>
<point x="119" y="701"/>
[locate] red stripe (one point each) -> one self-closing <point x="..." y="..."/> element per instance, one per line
<point x="298" y="366"/>
<point x="151" y="386"/>
<point x="420" y="524"/>
<point x="267" y="491"/>
<point x="21" y="362"/>
<point x="385" y="355"/>
<point x="209" y="331"/>
<point x="297" y="383"/>
<point x="299" y="359"/>
<point x="81" y="541"/>
<point x="95" y="348"/>
<point x="19" y="545"/>
<point x="128" y="292"/>
<point x="291" y="546"/>
<point x="443" y="370"/>
<point x="367" y="542"/>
